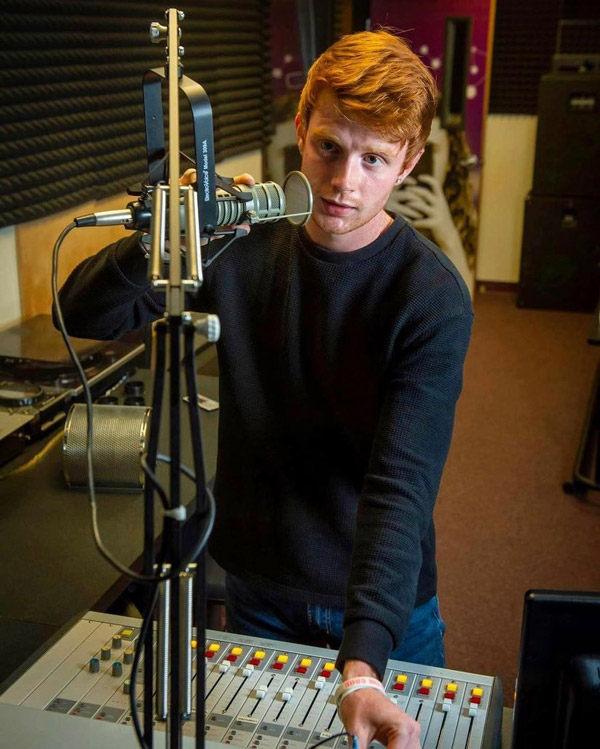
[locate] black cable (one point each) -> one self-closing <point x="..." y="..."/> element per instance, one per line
<point x="153" y="478"/>
<point x="147" y="619"/>
<point x="146" y="622"/>
<point x="108" y="556"/>
<point x="184" y="469"/>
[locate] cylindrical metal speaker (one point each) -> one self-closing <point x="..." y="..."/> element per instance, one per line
<point x="120" y="434"/>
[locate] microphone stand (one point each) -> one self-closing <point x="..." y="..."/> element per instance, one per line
<point x="182" y="599"/>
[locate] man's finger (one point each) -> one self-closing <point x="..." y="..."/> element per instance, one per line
<point x="244" y="179"/>
<point x="188" y="177"/>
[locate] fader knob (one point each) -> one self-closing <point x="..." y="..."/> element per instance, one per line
<point x="117" y="668"/>
<point x="94" y="665"/>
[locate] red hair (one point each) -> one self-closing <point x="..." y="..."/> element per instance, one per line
<point x="377" y="81"/>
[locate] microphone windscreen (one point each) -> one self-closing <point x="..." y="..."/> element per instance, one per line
<point x="298" y="198"/>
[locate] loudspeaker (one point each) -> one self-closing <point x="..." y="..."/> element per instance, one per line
<point x="561" y="254"/>
<point x="567" y="155"/>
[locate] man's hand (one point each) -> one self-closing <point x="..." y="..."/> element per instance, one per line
<point x="369" y="714"/>
<point x="190" y="177"/>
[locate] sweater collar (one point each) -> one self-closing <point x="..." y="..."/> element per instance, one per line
<point x="354" y="256"/>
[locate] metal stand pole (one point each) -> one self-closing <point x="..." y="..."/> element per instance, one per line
<point x="182" y="600"/>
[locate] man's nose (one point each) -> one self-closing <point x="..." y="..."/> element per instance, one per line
<point x="346" y="175"/>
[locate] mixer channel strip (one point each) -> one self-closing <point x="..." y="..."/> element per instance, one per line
<point x="259" y="694"/>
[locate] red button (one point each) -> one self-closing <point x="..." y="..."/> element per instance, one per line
<point x="449" y="695"/>
<point x="232" y="658"/>
<point x="209" y="654"/>
<point x="475" y="700"/>
<point x="301" y="670"/>
<point x="254" y="662"/>
<point x="399" y="687"/>
<point x="424" y="690"/>
<point x="278" y="666"/>
<point x="325" y="674"/>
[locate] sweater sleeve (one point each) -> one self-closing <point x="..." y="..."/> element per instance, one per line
<point x="108" y="294"/>
<point x="396" y="505"/>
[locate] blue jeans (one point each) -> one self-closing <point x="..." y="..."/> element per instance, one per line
<point x="251" y="611"/>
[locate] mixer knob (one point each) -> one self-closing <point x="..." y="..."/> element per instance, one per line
<point x="128" y="656"/>
<point x="261" y="692"/>
<point x="287" y="694"/>
<point x="224" y="666"/>
<point x="134" y="387"/>
<point x="105" y="653"/>
<point x="248" y="670"/>
<point x="116" y="641"/>
<point x="127" y="686"/>
<point x="134" y="400"/>
<point x="94" y="665"/>
<point x="117" y="668"/>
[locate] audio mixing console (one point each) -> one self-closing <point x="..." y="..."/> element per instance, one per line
<point x="260" y="694"/>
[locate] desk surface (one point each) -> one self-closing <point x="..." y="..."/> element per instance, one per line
<point x="51" y="570"/>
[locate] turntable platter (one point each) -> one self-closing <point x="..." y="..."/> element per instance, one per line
<point x="17" y="395"/>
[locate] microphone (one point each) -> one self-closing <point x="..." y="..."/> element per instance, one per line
<point x="267" y="201"/>
<point x="256" y="204"/>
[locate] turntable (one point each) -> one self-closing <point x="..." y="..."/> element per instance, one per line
<point x="38" y="381"/>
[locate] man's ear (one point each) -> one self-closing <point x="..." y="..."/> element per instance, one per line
<point x="410" y="165"/>
<point x="299" y="138"/>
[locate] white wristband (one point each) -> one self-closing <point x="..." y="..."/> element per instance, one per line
<point x="353" y="685"/>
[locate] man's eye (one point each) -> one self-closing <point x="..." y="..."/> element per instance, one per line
<point x="373" y="159"/>
<point x="327" y="145"/>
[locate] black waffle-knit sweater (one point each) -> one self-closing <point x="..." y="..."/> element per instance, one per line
<point x="339" y="375"/>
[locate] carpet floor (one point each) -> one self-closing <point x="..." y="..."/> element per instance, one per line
<point x="504" y="524"/>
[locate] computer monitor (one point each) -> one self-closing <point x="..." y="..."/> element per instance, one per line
<point x="551" y="702"/>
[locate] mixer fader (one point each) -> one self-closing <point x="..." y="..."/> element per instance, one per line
<point x="259" y="694"/>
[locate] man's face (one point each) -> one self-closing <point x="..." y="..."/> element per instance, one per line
<point x="352" y="171"/>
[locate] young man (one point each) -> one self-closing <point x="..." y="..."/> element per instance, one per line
<point x="341" y="360"/>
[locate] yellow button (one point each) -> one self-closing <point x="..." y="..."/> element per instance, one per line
<point x="329" y="667"/>
<point x="426" y="683"/>
<point x="126" y="632"/>
<point x="259" y="654"/>
<point x="451" y="687"/>
<point x="401" y="679"/>
<point x="283" y="658"/>
<point x="236" y="651"/>
<point x="194" y="643"/>
<point x="215" y="647"/>
<point x="477" y="692"/>
<point x="306" y="662"/>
